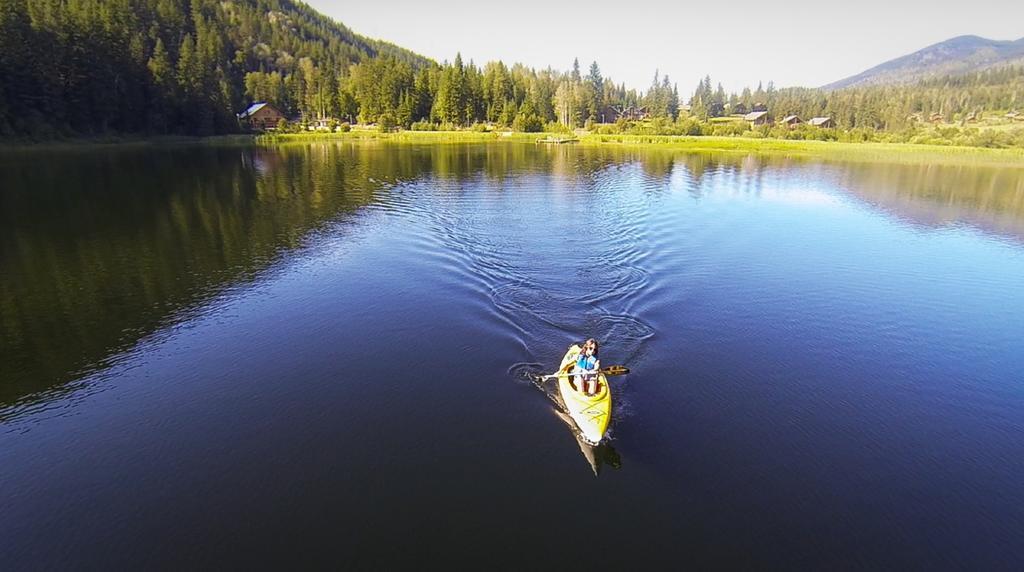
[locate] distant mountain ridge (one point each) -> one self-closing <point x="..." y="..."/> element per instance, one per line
<point x="956" y="56"/>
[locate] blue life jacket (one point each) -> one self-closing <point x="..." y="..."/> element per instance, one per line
<point x="586" y="362"/>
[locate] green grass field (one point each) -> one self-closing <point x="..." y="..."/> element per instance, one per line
<point x="881" y="152"/>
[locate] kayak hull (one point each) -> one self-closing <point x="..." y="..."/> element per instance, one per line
<point x="591" y="413"/>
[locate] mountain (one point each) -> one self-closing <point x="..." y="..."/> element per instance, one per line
<point x="956" y="56"/>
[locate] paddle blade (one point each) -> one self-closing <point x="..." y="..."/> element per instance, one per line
<point x="534" y="377"/>
<point x="615" y="370"/>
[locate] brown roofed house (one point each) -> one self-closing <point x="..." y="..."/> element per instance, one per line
<point x="261" y="115"/>
<point x="791" y="121"/>
<point x="756" y="118"/>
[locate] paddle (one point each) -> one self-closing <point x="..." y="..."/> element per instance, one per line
<point x="610" y="370"/>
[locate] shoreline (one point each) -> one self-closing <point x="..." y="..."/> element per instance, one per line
<point x="9" y="146"/>
<point x="834" y="150"/>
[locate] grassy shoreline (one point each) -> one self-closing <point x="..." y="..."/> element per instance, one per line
<point x="866" y="152"/>
<point x="884" y="152"/>
<point x="15" y="145"/>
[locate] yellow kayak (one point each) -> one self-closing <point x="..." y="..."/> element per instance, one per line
<point x="590" y="412"/>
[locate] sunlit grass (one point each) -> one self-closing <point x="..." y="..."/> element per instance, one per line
<point x="883" y="152"/>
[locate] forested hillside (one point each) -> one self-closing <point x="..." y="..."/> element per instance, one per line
<point x="163" y="66"/>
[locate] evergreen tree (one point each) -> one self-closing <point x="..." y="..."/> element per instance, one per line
<point x="596" y="103"/>
<point x="163" y="87"/>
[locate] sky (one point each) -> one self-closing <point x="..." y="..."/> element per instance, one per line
<point x="739" y="43"/>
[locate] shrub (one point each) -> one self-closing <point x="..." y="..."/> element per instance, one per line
<point x="730" y="128"/>
<point x="423" y="126"/>
<point x="528" y="122"/>
<point x="344" y="128"/>
<point x="386" y="123"/>
<point x="608" y="129"/>
<point x="690" y="126"/>
<point x="556" y="127"/>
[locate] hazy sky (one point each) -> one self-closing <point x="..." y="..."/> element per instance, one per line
<point x="793" y="42"/>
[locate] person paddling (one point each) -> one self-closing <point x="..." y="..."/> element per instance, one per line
<point x="587" y="365"/>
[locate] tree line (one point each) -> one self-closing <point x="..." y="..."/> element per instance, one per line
<point x="881" y="108"/>
<point x="456" y="94"/>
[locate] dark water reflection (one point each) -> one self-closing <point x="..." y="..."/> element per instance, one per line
<point x="216" y="355"/>
<point x="102" y="249"/>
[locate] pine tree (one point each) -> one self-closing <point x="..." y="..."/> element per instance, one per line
<point x="596" y="103"/>
<point x="188" y="68"/>
<point x="163" y="90"/>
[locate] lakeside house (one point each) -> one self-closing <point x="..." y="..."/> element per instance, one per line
<point x="261" y="115"/>
<point x="629" y="113"/>
<point x="756" y="118"/>
<point x="791" y="121"/>
<point x="822" y="122"/>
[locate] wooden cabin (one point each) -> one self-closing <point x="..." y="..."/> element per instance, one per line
<point x="936" y="117"/>
<point x="791" y="121"/>
<point x="261" y="115"/>
<point x="756" y="118"/>
<point x="822" y="122"/>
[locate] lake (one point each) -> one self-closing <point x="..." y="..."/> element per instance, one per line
<point x="317" y="354"/>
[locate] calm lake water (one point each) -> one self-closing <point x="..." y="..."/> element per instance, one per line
<point x="315" y="354"/>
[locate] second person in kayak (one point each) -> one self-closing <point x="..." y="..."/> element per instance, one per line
<point x="587" y="365"/>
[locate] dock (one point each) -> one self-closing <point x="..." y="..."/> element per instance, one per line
<point x="558" y="140"/>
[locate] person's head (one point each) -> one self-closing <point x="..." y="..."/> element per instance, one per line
<point x="590" y="344"/>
